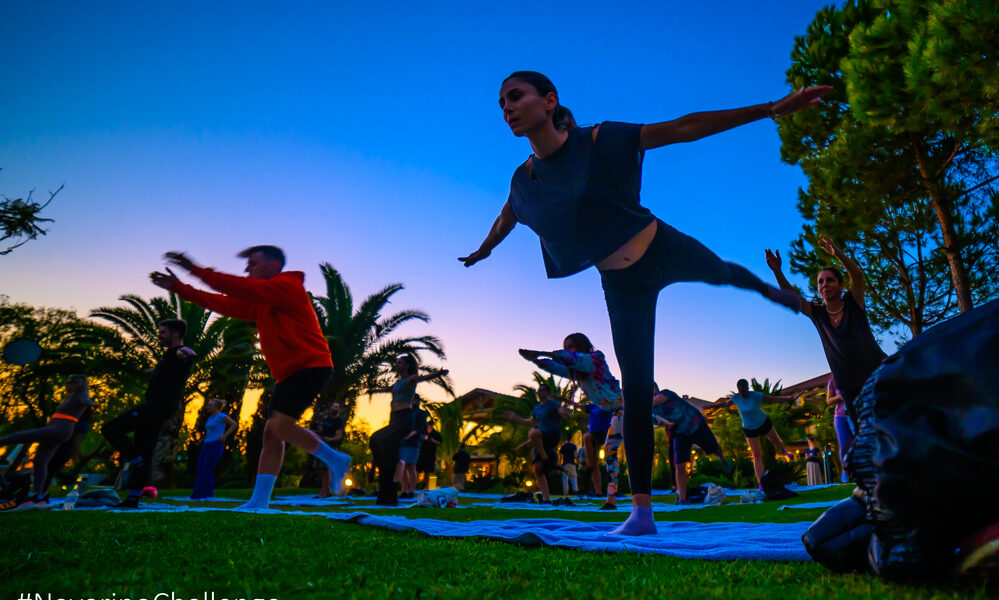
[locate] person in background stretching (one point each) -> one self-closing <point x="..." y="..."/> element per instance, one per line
<point x="167" y="381"/>
<point x="756" y="423"/>
<point x="58" y="430"/>
<point x="579" y="191"/>
<point x="842" y="426"/>
<point x="686" y="427"/>
<point x="386" y="441"/>
<point x="841" y="322"/>
<point x="291" y="341"/>
<point x="544" y="436"/>
<point x="218" y="427"/>
<point x="587" y="367"/>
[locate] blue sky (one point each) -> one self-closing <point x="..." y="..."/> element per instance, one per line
<point x="369" y="136"/>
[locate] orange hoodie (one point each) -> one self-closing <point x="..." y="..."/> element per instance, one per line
<point x="290" y="337"/>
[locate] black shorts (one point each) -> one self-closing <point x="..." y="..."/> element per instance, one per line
<point x="599" y="437"/>
<point x="426" y="465"/>
<point x="760" y="431"/>
<point x="296" y="393"/>
<point x="549" y="440"/>
<point x="702" y="436"/>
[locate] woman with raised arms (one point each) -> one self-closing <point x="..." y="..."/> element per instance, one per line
<point x="579" y="191"/>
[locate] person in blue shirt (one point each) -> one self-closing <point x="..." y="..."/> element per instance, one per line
<point x="218" y="427"/>
<point x="756" y="423"/>
<point x="546" y="431"/>
<point x="579" y="191"/>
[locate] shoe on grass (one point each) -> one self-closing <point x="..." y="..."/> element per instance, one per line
<point x="608" y="506"/>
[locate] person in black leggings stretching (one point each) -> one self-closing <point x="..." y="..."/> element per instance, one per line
<point x="579" y="191"/>
<point x="385" y="442"/>
<point x="163" y="396"/>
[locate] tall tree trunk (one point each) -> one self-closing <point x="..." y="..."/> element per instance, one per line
<point x="942" y="206"/>
<point x="958" y="274"/>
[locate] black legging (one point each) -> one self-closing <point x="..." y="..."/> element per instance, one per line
<point x="49" y="438"/>
<point x="144" y="422"/>
<point x="631" y="295"/>
<point x="385" y="444"/>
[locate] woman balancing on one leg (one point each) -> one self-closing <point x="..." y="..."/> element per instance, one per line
<point x="544" y="436"/>
<point x="291" y="341"/>
<point x="841" y="321"/>
<point x="386" y="441"/>
<point x="218" y="427"/>
<point x="756" y="423"/>
<point x="579" y="192"/>
<point x="49" y="438"/>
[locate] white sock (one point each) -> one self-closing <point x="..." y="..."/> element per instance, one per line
<point x="337" y="462"/>
<point x="262" y="489"/>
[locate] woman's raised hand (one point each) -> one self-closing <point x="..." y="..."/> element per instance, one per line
<point x="826" y="243"/>
<point x="800" y="99"/>
<point x="773" y="259"/>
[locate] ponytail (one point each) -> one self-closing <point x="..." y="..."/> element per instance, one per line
<point x="561" y="117"/>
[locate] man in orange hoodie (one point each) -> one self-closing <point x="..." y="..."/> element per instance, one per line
<point x="292" y="344"/>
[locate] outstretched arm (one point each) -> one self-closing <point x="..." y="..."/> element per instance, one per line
<point x="502" y="226"/>
<point x="857" y="287"/>
<point x="414" y="379"/>
<point x="695" y="126"/>
<point x="512" y="416"/>
<point x="774" y="262"/>
<point x="219" y="303"/>
<point x="788" y="399"/>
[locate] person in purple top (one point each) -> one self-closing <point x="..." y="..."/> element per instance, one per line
<point x="841" y="322"/>
<point x="842" y="426"/>
<point x="580" y="192"/>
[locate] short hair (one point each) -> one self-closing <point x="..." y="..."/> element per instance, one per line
<point x="741" y="382"/>
<point x="810" y="438"/>
<point x="269" y="252"/>
<point x="178" y="326"/>
<point x="221" y="402"/>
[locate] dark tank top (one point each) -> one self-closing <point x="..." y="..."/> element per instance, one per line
<point x="850" y="348"/>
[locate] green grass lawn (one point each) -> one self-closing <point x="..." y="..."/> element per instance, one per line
<point x="82" y="554"/>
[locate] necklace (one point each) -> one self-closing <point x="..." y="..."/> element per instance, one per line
<point x="835" y="312"/>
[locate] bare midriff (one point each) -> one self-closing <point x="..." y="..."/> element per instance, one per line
<point x="630" y="253"/>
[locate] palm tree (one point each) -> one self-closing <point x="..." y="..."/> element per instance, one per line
<point x="224" y="349"/>
<point x="364" y="353"/>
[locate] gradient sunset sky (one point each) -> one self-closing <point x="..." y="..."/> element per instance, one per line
<point x="368" y="135"/>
